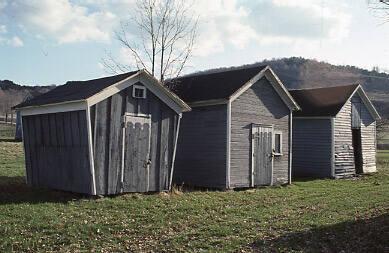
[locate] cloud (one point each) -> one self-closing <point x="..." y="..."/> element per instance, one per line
<point x="15" y="42"/>
<point x="61" y="20"/>
<point x="3" y="29"/>
<point x="241" y="23"/>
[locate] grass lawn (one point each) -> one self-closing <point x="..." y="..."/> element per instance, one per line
<point x="309" y="216"/>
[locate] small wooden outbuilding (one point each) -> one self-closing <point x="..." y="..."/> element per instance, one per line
<point x="334" y="134"/>
<point x="103" y="136"/>
<point x="238" y="132"/>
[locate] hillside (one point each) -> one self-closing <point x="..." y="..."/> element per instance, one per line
<point x="12" y="94"/>
<point x="296" y="72"/>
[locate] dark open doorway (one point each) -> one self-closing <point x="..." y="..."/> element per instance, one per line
<point x="357" y="145"/>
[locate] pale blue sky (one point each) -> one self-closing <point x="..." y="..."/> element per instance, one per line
<point x="51" y="41"/>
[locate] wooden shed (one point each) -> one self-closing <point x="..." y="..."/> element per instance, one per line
<point x="238" y="132"/>
<point x="334" y="134"/>
<point x="103" y="136"/>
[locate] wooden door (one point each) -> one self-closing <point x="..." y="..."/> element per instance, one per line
<point x="262" y="151"/>
<point x="357" y="146"/>
<point x="136" y="153"/>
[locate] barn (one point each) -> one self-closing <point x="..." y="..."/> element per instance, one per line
<point x="334" y="134"/>
<point x="103" y="136"/>
<point x="238" y="132"/>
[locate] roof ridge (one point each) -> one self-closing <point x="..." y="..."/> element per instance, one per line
<point x="95" y="79"/>
<point x="218" y="71"/>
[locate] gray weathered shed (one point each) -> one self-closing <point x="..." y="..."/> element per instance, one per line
<point x="334" y="134"/>
<point x="103" y="136"/>
<point x="238" y="132"/>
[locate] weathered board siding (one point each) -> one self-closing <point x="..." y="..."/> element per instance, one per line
<point x="202" y="147"/>
<point x="368" y="133"/>
<point x="311" y="147"/>
<point x="107" y="129"/>
<point x="260" y="104"/>
<point x="57" y="155"/>
<point x="343" y="143"/>
<point x="344" y="153"/>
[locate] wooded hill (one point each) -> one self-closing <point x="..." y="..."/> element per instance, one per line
<point x="295" y="72"/>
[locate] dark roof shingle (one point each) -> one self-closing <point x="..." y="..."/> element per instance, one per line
<point x="75" y="90"/>
<point x="320" y="102"/>
<point x="207" y="86"/>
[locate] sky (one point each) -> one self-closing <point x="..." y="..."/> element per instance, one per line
<point x="44" y="42"/>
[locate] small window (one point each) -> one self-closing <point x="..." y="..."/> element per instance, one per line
<point x="278" y="143"/>
<point x="138" y="91"/>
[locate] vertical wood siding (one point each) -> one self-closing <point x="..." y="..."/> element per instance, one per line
<point x="201" y="148"/>
<point x="260" y="104"/>
<point x="106" y="117"/>
<point x="57" y="152"/>
<point x="311" y="147"/>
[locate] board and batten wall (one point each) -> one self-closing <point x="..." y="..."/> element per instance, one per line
<point x="107" y="138"/>
<point x="311" y="147"/>
<point x="260" y="104"/>
<point x="56" y="151"/>
<point x="202" y="147"/>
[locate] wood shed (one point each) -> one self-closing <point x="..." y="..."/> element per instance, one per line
<point x="238" y="132"/>
<point x="103" y="136"/>
<point x="334" y="134"/>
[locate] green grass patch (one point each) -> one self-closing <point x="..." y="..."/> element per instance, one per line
<point x="7" y="131"/>
<point x="308" y="216"/>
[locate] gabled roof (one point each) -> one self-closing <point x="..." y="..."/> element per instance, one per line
<point x="226" y="85"/>
<point x="209" y="86"/>
<point x="75" y="90"/>
<point x="92" y="91"/>
<point x="328" y="101"/>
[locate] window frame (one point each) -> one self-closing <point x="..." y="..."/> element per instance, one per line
<point x="140" y="87"/>
<point x="274" y="143"/>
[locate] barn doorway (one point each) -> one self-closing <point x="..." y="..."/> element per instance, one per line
<point x="357" y="145"/>
<point x="262" y="155"/>
<point x="136" y="153"/>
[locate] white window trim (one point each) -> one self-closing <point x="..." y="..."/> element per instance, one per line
<point x="134" y="87"/>
<point x="274" y="143"/>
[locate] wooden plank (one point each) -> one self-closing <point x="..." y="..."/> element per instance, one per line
<point x="101" y="145"/>
<point x="53" y="130"/>
<point x="164" y="151"/>
<point x="74" y="121"/>
<point x="26" y="124"/>
<point x="115" y="144"/>
<point x="59" y="124"/>
<point x="155" y="111"/>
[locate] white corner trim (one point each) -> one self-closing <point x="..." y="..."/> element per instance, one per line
<point x="290" y="147"/>
<point x="174" y="151"/>
<point x="228" y="155"/>
<point x="90" y="145"/>
<point x="54" y="108"/>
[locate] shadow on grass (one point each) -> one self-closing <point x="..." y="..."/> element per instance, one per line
<point x="369" y="235"/>
<point x="8" y="140"/>
<point x="14" y="190"/>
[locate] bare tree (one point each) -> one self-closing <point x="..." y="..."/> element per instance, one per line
<point x="382" y="128"/>
<point x="380" y="9"/>
<point x="163" y="42"/>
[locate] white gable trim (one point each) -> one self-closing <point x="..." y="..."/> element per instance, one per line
<point x="366" y="101"/>
<point x="150" y="83"/>
<point x="54" y="108"/>
<point x="142" y="76"/>
<point x="276" y="83"/>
